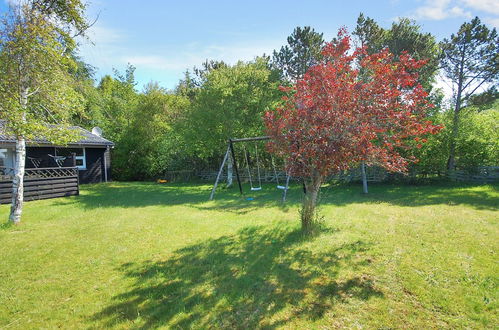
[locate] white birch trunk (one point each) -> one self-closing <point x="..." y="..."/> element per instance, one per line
<point x="364" y="177"/>
<point x="18" y="182"/>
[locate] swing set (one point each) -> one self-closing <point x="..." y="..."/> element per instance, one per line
<point x="253" y="187"/>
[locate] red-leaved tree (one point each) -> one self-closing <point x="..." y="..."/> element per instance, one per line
<point x="351" y="108"/>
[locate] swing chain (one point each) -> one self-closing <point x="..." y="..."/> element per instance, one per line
<point x="247" y="166"/>
<point x="258" y="167"/>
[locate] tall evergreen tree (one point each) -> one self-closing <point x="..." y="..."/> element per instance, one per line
<point x="470" y="60"/>
<point x="485" y="99"/>
<point x="302" y="51"/>
<point x="403" y="36"/>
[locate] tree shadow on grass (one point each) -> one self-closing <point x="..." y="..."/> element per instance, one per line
<point x="441" y="193"/>
<point x="141" y="194"/>
<point x="259" y="277"/>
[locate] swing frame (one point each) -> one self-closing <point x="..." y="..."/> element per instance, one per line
<point x="230" y="152"/>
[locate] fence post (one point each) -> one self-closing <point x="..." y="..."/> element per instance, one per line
<point x="73" y="155"/>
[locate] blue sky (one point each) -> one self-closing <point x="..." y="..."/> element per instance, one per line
<point x="164" y="38"/>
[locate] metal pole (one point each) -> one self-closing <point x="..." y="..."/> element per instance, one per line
<point x="284" y="193"/>
<point x="231" y="146"/>
<point x="105" y="164"/>
<point x="219" y="173"/>
<point x="258" y="138"/>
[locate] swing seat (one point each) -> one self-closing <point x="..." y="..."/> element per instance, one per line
<point x="256" y="188"/>
<point x="281" y="187"/>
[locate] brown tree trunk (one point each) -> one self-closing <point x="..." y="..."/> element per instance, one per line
<point x="308" y="210"/>
<point x="18" y="182"/>
<point x="451" y="162"/>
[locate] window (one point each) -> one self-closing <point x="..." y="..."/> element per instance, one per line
<point x="3" y="155"/>
<point x="80" y="158"/>
<point x="6" y="161"/>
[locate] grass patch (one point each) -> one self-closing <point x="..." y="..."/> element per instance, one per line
<point x="142" y="255"/>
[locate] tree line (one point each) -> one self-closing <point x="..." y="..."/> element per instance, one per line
<point x="158" y="130"/>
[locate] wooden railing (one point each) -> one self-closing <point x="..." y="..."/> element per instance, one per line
<point x="6" y="173"/>
<point x="51" y="172"/>
<point x="41" y="183"/>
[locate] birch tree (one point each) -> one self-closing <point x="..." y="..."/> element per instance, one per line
<point x="37" y="95"/>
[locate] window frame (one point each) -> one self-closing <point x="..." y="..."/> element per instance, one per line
<point x="83" y="158"/>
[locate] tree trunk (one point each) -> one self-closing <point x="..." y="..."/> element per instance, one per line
<point x="364" y="177"/>
<point x="229" y="170"/>
<point x="451" y="162"/>
<point x="18" y="182"/>
<point x="308" y="210"/>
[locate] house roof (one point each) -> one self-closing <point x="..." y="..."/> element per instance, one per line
<point x="88" y="138"/>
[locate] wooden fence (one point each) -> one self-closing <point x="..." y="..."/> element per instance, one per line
<point x="482" y="174"/>
<point x="374" y="174"/>
<point x="43" y="183"/>
<point x="179" y="176"/>
<point x="265" y="175"/>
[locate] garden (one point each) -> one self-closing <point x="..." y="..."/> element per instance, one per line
<point x="334" y="182"/>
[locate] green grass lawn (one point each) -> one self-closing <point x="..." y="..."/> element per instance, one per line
<point x="142" y="255"/>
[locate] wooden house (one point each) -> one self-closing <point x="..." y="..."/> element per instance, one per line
<point x="64" y="167"/>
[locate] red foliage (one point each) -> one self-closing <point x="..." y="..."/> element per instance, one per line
<point x="352" y="107"/>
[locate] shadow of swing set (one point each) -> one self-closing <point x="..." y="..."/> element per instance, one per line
<point x="230" y="153"/>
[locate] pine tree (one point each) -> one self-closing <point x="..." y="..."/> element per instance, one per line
<point x="470" y="60"/>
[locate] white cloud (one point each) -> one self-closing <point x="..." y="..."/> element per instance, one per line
<point x="487" y="6"/>
<point x="439" y="10"/>
<point x="109" y="49"/>
<point x="99" y="34"/>
<point x="458" y="12"/>
<point x="103" y="46"/>
<point x="493" y="21"/>
<point x="195" y="55"/>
